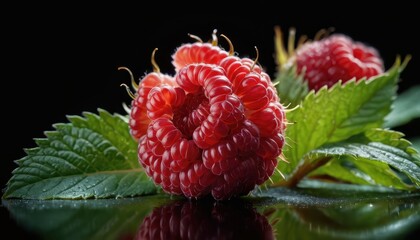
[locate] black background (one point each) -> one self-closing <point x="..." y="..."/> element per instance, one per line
<point x="63" y="60"/>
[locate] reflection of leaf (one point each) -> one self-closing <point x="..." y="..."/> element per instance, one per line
<point x="359" y="221"/>
<point x="83" y="219"/>
<point x="342" y="214"/>
<point x="92" y="157"/>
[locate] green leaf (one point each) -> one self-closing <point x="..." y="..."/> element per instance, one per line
<point x="362" y="171"/>
<point x="113" y="128"/>
<point x="405" y="108"/>
<point x="90" y="157"/>
<point x="391" y="163"/>
<point x="335" y="114"/>
<point x="290" y="86"/>
<point x="342" y="169"/>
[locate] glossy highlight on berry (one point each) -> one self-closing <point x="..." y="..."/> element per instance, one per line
<point x="214" y="128"/>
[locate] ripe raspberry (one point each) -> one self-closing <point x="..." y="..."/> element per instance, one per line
<point x="215" y="128"/>
<point x="205" y="220"/>
<point x="335" y="58"/>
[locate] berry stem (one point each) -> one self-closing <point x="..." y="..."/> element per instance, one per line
<point x="303" y="170"/>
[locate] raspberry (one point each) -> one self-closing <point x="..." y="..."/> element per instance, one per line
<point x="205" y="220"/>
<point x="215" y="128"/>
<point x="335" y="58"/>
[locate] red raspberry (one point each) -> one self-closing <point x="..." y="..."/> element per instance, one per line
<point x="335" y="58"/>
<point x="216" y="129"/>
<point x="205" y="220"/>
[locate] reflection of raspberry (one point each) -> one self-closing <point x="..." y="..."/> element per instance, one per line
<point x="215" y="128"/>
<point x="205" y="220"/>
<point x="337" y="58"/>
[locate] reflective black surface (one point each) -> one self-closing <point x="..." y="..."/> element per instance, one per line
<point x="273" y="214"/>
